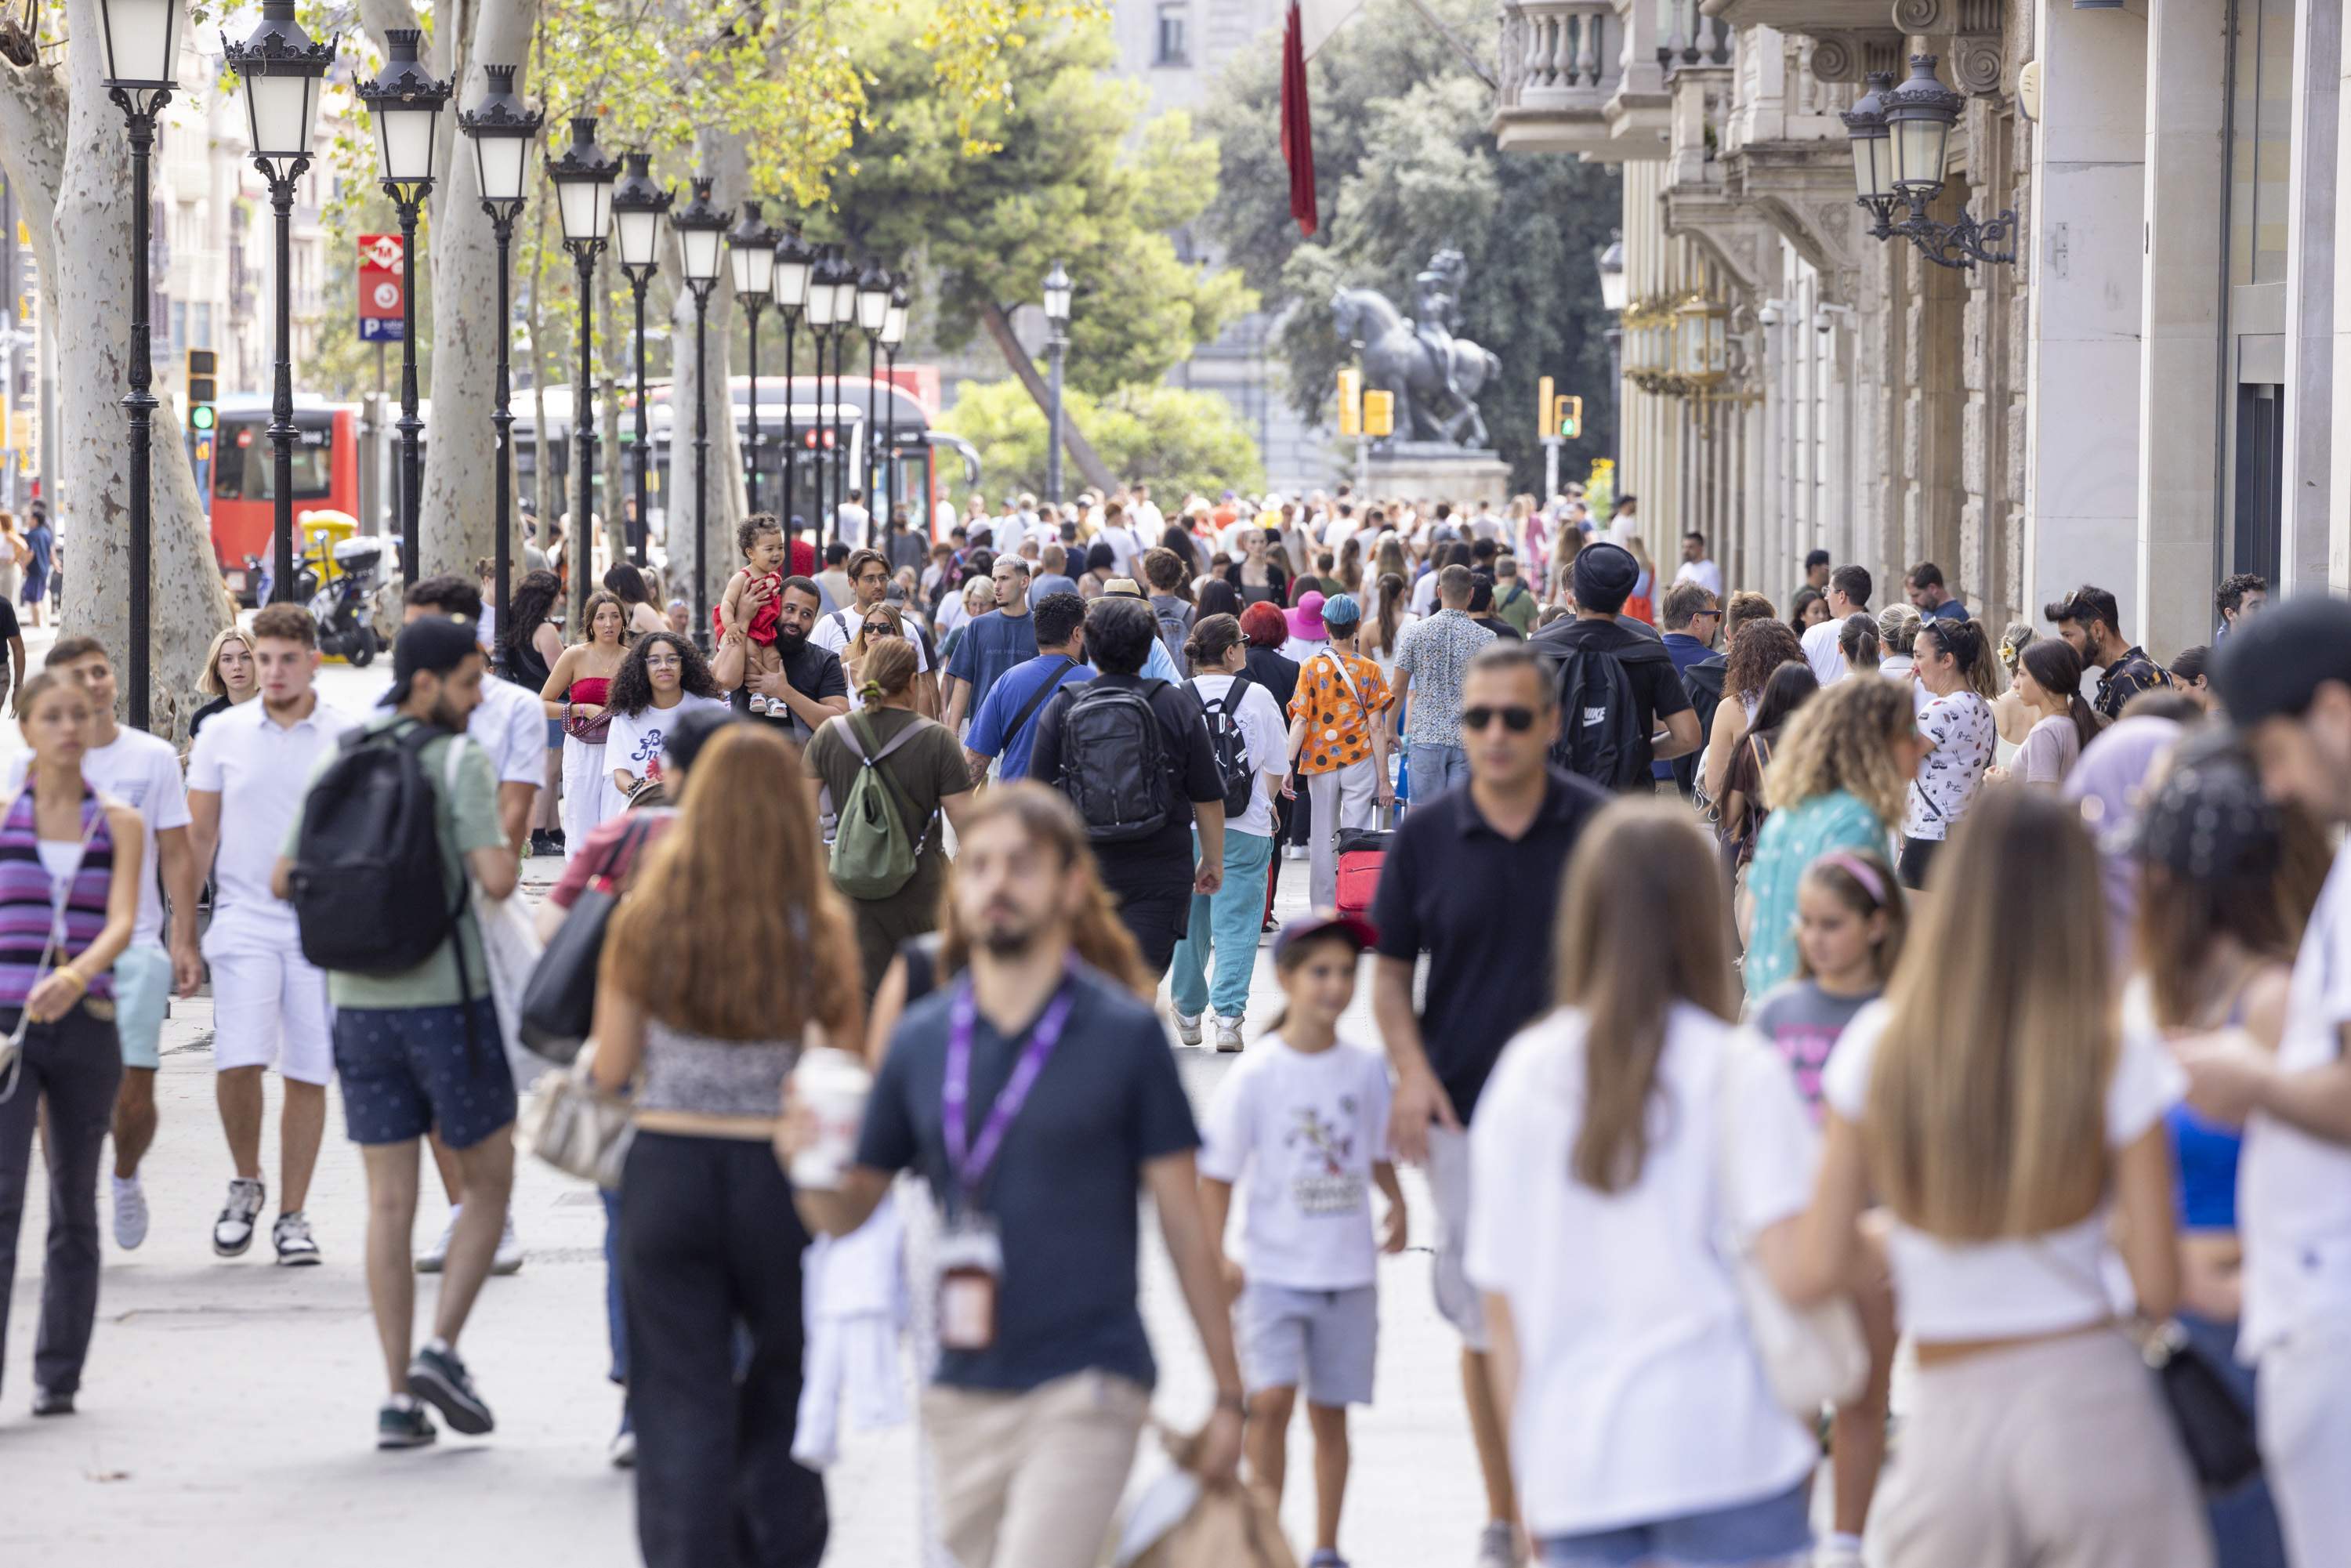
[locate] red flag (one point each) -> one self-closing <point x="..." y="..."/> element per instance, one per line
<point x="1297" y="125"/>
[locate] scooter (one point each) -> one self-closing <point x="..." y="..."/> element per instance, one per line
<point x="342" y="607"/>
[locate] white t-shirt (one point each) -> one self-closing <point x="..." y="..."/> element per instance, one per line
<point x="261" y="770"/>
<point x="1267" y="739"/>
<point x="854" y="521"/>
<point x="1149" y="520"/>
<point x="2016" y="1287"/>
<point x="2293" y="1208"/>
<point x="138" y="770"/>
<point x="510" y="724"/>
<point x="837" y="629"/>
<point x="1822" y="653"/>
<point x="1705" y="573"/>
<point x="633" y="743"/>
<point x="1423" y="594"/>
<point x="1305" y="1131"/>
<point x="1124" y="547"/>
<point x="1964" y="735"/>
<point x="1641" y="1396"/>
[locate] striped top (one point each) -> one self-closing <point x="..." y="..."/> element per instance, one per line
<point x="28" y="906"/>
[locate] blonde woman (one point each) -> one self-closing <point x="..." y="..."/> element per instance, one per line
<point x="229" y="677"/>
<point x="1839" y="781"/>
<point x="883" y="622"/>
<point x="1995" y="1106"/>
<point x="1641" y="1426"/>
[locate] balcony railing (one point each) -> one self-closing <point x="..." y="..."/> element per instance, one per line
<point x="1579" y="76"/>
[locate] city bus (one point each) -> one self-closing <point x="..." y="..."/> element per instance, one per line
<point x="242" y="487"/>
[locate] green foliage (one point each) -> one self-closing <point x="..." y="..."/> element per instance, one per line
<point x="1067" y="181"/>
<point x="1177" y="442"/>
<point x="1405" y="167"/>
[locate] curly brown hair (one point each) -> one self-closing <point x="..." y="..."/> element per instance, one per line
<point x="1844" y="739"/>
<point x="1760" y="647"/>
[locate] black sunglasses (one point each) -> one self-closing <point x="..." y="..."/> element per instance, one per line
<point x="1518" y="719"/>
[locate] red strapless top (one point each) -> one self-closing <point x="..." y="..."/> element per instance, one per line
<point x="593" y="689"/>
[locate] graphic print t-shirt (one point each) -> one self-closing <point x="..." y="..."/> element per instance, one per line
<point x="1804" y="1023"/>
<point x="635" y="740"/>
<point x="1964" y="735"/>
<point x="1301" y="1132"/>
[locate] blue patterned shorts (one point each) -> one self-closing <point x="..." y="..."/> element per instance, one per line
<point x="408" y="1071"/>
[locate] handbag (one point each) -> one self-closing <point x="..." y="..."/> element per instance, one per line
<point x="1812" y="1356"/>
<point x="578" y="1130"/>
<point x="560" y="1003"/>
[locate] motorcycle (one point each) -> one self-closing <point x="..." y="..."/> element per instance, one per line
<point x="343" y="607"/>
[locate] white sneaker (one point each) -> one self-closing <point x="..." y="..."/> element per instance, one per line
<point x="1295" y="852"/>
<point x="508" y="1258"/>
<point x="239" y="1218"/>
<point x="1228" y="1035"/>
<point x="1187" y="1029"/>
<point x="297" y="1248"/>
<point x="1498" y="1546"/>
<point x="129" y="1212"/>
<point x="429" y="1261"/>
<point x="1829" y="1554"/>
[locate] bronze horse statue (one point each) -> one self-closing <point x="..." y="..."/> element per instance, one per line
<point x="1435" y="377"/>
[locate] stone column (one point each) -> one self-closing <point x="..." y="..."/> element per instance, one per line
<point x="2338" y="484"/>
<point x="2310" y="297"/>
<point x="2089" y="201"/>
<point x="2182" y="415"/>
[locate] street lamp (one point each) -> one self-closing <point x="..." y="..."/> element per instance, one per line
<point x="1057" y="323"/>
<point x="584" y="177"/>
<point x="751" y="249"/>
<point x="405" y="101"/>
<point x="795" y="269"/>
<point x="638" y="204"/>
<point x="1615" y="295"/>
<point x="844" y="323"/>
<point x="822" y="303"/>
<point x="872" y="314"/>
<point x="503" y="128"/>
<point x="894" y="333"/>
<point x="142" y="48"/>
<point x="700" y="226"/>
<point x="1900" y="137"/>
<point x="280" y="67"/>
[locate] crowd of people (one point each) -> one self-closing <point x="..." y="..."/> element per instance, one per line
<point x="1768" y="998"/>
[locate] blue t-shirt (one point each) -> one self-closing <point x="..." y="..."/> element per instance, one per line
<point x="1006" y="703"/>
<point x="1158" y="666"/>
<point x="989" y="646"/>
<point x="1949" y="610"/>
<point x="1050" y="582"/>
<point x="1064" y="1188"/>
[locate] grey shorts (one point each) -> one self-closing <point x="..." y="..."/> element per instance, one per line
<point x="1325" y="1341"/>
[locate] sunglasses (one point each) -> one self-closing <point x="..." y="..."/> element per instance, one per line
<point x="880" y="629"/>
<point x="1519" y="720"/>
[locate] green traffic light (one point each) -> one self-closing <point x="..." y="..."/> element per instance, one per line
<point x="201" y="416"/>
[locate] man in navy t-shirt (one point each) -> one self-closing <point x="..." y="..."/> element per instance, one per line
<point x="1006" y="724"/>
<point x="1003" y="637"/>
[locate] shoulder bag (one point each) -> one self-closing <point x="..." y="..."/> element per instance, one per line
<point x="578" y="1130"/>
<point x="560" y="1003"/>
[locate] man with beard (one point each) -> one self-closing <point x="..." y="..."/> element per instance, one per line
<point x="811" y="683"/>
<point x="1044" y="1379"/>
<point x="418" y="1050"/>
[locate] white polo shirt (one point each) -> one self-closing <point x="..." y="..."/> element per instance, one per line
<point x="261" y="770"/>
<point x="510" y="724"/>
<point x="138" y="770"/>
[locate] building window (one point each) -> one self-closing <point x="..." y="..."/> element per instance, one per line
<point x="1174" y="40"/>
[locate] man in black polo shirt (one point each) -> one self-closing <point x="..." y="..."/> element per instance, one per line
<point x="1604" y="578"/>
<point x="811" y="685"/>
<point x="1153" y="876"/>
<point x="1500" y="844"/>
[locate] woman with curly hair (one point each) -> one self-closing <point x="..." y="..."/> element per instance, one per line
<point x="1757" y="648"/>
<point x="1839" y="781"/>
<point x="662" y="679"/>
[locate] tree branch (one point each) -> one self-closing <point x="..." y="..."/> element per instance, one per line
<point x="1081" y="450"/>
<point x="32" y="141"/>
<point x="380" y="16"/>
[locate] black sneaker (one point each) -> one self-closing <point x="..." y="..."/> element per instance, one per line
<point x="404" y="1424"/>
<point x="440" y="1378"/>
<point x="48" y="1402"/>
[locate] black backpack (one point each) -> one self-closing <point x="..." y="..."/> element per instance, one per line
<point x="1231" y="747"/>
<point x="1600" y="734"/>
<point x="1114" y="761"/>
<point x="369" y="894"/>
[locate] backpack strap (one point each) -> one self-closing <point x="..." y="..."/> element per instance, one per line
<point x="450" y="763"/>
<point x="1037" y="699"/>
<point x="858" y="729"/>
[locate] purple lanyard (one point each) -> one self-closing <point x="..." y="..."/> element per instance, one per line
<point x="969" y="1162"/>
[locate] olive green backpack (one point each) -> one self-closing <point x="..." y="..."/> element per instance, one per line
<point x="873" y="851"/>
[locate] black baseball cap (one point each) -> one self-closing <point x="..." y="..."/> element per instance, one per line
<point x="2272" y="664"/>
<point x="435" y="642"/>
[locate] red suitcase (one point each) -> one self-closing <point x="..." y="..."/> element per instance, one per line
<point x="1362" y="852"/>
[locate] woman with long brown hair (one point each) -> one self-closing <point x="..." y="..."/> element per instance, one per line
<point x="724" y="962"/>
<point x="578" y="691"/>
<point x="1603" y="1134"/>
<point x="2010" y="1125"/>
<point x="1758" y="646"/>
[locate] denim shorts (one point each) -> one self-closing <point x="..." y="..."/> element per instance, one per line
<point x="409" y="1071"/>
<point x="1773" y="1530"/>
<point x="142" y="994"/>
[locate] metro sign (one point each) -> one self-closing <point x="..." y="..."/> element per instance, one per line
<point x="382" y="316"/>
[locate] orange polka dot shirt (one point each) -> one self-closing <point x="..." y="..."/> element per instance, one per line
<point x="1337" y="694"/>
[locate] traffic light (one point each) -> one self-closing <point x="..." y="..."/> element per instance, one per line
<point x="1379" y="414"/>
<point x="204" y="388"/>
<point x="1546" y="409"/>
<point x="1351" y="401"/>
<point x="1567" y="417"/>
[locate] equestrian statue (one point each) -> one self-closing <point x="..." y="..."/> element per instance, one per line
<point x="1435" y="376"/>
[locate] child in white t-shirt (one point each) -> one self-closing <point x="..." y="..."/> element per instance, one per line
<point x="1305" y="1117"/>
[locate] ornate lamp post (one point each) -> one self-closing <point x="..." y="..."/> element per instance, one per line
<point x="1057" y="323"/>
<point x="638" y="204"/>
<point x="142" y="48"/>
<point x="751" y="251"/>
<point x="822" y="303"/>
<point x="1899" y="136"/>
<point x="894" y="332"/>
<point x="502" y="128"/>
<point x="795" y="268"/>
<point x="844" y="323"/>
<point x="280" y="67"/>
<point x="700" y="226"/>
<point x="405" y="101"/>
<point x="584" y="176"/>
<point x="872" y="314"/>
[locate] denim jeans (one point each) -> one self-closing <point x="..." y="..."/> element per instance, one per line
<point x="1228" y="925"/>
<point x="1436" y="768"/>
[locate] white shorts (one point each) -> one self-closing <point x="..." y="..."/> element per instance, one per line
<point x="1449" y="1190"/>
<point x="267" y="997"/>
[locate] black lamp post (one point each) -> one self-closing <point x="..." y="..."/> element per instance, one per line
<point x="795" y="267"/>
<point x="503" y="128"/>
<point x="142" y="48"/>
<point x="1056" y="344"/>
<point x="700" y="226"/>
<point x="751" y="251"/>
<point x="584" y="176"/>
<point x="894" y="332"/>
<point x="638" y="204"/>
<point x="1900" y="137"/>
<point x="280" y="67"/>
<point x="844" y="325"/>
<point x="822" y="304"/>
<point x="405" y="101"/>
<point x="872" y="314"/>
